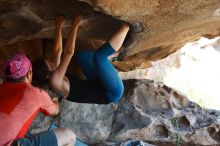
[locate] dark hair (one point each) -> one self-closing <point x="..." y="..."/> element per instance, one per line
<point x="8" y="72"/>
<point x="40" y="73"/>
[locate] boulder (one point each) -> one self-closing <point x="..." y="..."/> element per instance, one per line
<point x="149" y="112"/>
<point x="159" y="28"/>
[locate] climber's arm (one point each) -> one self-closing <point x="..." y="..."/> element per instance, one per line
<point x="57" y="47"/>
<point x="58" y="81"/>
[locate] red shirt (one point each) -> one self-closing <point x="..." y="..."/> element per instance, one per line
<point x="19" y="104"/>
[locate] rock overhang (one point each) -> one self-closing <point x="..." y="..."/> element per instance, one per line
<point x="159" y="27"/>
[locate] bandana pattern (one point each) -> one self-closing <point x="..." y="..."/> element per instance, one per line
<point x="19" y="66"/>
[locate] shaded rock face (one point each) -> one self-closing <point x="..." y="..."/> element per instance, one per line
<point x="159" y="27"/>
<point x="79" y="117"/>
<point x="148" y="111"/>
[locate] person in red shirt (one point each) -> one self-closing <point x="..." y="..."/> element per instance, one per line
<point x="19" y="104"/>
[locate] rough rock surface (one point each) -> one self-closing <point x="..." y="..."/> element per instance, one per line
<point x="160" y="27"/>
<point x="184" y="71"/>
<point x="148" y="111"/>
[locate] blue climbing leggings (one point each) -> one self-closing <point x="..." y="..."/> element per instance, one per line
<point x="96" y="65"/>
<point x="100" y="74"/>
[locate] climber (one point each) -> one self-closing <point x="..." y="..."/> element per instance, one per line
<point x="19" y="104"/>
<point x="102" y="84"/>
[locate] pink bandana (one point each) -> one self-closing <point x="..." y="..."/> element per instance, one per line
<point x="19" y="66"/>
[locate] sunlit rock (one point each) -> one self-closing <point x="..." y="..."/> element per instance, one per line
<point x="159" y="28"/>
